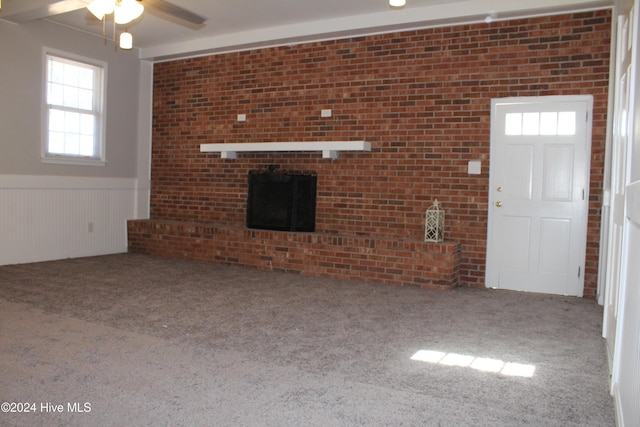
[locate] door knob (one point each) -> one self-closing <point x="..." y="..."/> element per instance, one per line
<point x="498" y="204"/>
<point x="499" y="189"/>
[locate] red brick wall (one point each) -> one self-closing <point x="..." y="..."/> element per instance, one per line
<point x="422" y="98"/>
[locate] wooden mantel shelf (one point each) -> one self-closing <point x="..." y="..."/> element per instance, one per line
<point x="330" y="149"/>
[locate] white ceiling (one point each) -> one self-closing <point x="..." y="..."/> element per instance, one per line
<point x="242" y="24"/>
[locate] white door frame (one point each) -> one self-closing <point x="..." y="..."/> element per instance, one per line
<point x="619" y="178"/>
<point x="491" y="233"/>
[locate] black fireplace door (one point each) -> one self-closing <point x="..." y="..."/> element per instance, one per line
<point x="281" y="201"/>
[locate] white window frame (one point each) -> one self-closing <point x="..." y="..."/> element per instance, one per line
<point x="99" y="111"/>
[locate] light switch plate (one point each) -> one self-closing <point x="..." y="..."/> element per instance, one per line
<point x="475" y="167"/>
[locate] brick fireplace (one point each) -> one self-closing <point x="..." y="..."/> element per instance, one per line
<point x="420" y="98"/>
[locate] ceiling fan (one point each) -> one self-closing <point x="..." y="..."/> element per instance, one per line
<point x="134" y="8"/>
<point x="125" y="11"/>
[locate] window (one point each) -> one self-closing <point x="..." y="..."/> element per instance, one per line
<point x="74" y="103"/>
<point x="541" y="123"/>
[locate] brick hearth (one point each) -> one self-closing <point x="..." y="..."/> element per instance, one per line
<point x="397" y="262"/>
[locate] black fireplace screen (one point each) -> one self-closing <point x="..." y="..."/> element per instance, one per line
<point x="281" y="201"/>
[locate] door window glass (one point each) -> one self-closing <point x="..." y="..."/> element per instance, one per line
<point x="541" y="123"/>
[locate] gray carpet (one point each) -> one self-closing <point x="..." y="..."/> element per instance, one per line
<point x="146" y="341"/>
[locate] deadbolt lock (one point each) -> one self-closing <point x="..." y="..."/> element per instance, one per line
<point x="498" y="204"/>
<point x="499" y="189"/>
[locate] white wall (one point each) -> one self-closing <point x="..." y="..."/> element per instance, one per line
<point x="53" y="211"/>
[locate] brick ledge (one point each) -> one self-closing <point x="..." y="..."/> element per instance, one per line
<point x="402" y="262"/>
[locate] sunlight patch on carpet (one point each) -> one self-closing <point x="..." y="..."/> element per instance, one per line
<point x="478" y="363"/>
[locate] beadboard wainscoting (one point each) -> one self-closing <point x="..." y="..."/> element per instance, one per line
<point x="49" y="217"/>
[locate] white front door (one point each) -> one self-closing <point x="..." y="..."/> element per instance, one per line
<point x="538" y="188"/>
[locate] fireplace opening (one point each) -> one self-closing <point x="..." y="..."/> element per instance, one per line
<point x="281" y="200"/>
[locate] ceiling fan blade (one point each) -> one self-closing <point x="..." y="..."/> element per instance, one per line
<point x="175" y="11"/>
<point x="23" y="11"/>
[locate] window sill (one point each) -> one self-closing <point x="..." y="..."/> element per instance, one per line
<point x="80" y="161"/>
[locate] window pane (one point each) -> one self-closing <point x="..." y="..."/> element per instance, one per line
<point x="549" y="123"/>
<point x="71" y="75"/>
<point x="55" y="94"/>
<point x="56" y="142"/>
<point x="86" y="78"/>
<point x="85" y="99"/>
<point x="87" y="124"/>
<point x="531" y="123"/>
<point x="567" y="123"/>
<point x="56" y="120"/>
<point x="71" y="97"/>
<point x="72" y="143"/>
<point x="513" y="124"/>
<point x="71" y="122"/>
<point x="86" y="145"/>
<point x="55" y="71"/>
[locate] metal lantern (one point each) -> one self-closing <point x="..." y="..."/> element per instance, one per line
<point x="434" y="224"/>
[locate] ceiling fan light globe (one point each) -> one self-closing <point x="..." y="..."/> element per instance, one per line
<point x="99" y="8"/>
<point x="126" y="41"/>
<point x="127" y="10"/>
<point x="397" y="3"/>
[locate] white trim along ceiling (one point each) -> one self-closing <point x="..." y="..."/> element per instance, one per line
<point x="239" y="25"/>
